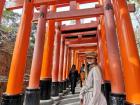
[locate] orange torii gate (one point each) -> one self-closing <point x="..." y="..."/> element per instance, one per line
<point x="14" y="92"/>
<point x="74" y="46"/>
<point x="56" y="56"/>
<point x="46" y="70"/>
<point x="75" y="55"/>
<point x="128" y="51"/>
<point x="117" y="81"/>
<point x="80" y="60"/>
<point x="111" y="52"/>
<point x="59" y="3"/>
<point x="81" y="48"/>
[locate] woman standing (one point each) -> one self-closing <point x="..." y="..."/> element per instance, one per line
<point x="91" y="92"/>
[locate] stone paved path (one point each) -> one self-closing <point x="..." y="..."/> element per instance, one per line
<point x="71" y="99"/>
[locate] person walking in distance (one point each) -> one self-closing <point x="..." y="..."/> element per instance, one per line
<point x="73" y="76"/>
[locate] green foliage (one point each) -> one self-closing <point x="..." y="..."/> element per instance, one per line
<point x="10" y="21"/>
<point x="10" y="24"/>
<point x="33" y="33"/>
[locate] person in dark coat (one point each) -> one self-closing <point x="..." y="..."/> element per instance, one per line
<point x="73" y="76"/>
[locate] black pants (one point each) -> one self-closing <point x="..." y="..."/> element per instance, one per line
<point x="73" y="85"/>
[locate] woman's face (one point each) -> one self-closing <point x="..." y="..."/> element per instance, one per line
<point x="73" y="67"/>
<point x="93" y="61"/>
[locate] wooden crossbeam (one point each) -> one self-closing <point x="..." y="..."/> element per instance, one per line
<point x="84" y="48"/>
<point x="73" y="14"/>
<point x="80" y="33"/>
<point x="87" y="49"/>
<point x="82" y="45"/>
<point x="86" y="52"/>
<point x="80" y="41"/>
<point x="19" y="3"/>
<point x="79" y="26"/>
<point x="77" y="14"/>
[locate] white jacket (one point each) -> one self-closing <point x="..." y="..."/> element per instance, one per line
<point x="91" y="91"/>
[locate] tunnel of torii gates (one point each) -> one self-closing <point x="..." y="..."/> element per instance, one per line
<point x="58" y="46"/>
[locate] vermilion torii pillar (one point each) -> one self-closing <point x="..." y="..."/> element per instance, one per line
<point x="64" y="67"/>
<point x="103" y="49"/>
<point x="71" y="62"/>
<point x="33" y="89"/>
<point x="74" y="6"/>
<point x="117" y="81"/>
<point x="103" y="46"/>
<point x="46" y="71"/>
<point x="13" y="95"/>
<point x="101" y="60"/>
<point x="106" y="86"/>
<point x="67" y="68"/>
<point x="75" y="57"/>
<point x="79" y="66"/>
<point x="76" y="62"/>
<point x="2" y="3"/>
<point x="128" y="51"/>
<point x="69" y="59"/>
<point x="55" y="68"/>
<point x="61" y="60"/>
<point x="72" y="57"/>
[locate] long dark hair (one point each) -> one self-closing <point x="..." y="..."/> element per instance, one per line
<point x="73" y="67"/>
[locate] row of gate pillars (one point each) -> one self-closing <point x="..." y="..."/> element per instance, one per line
<point x="117" y="56"/>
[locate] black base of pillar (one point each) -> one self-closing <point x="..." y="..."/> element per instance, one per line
<point x="127" y="103"/>
<point x="32" y="97"/>
<point x="12" y="99"/>
<point x="117" y="99"/>
<point x="64" y="85"/>
<point x="106" y="89"/>
<point x="45" y="89"/>
<point x="55" y="89"/>
<point x="60" y="87"/>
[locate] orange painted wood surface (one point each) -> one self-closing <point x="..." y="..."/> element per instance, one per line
<point x="128" y="51"/>
<point x="19" y="3"/>
<point x="48" y="49"/>
<point x="38" y="50"/>
<point x="16" y="75"/>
